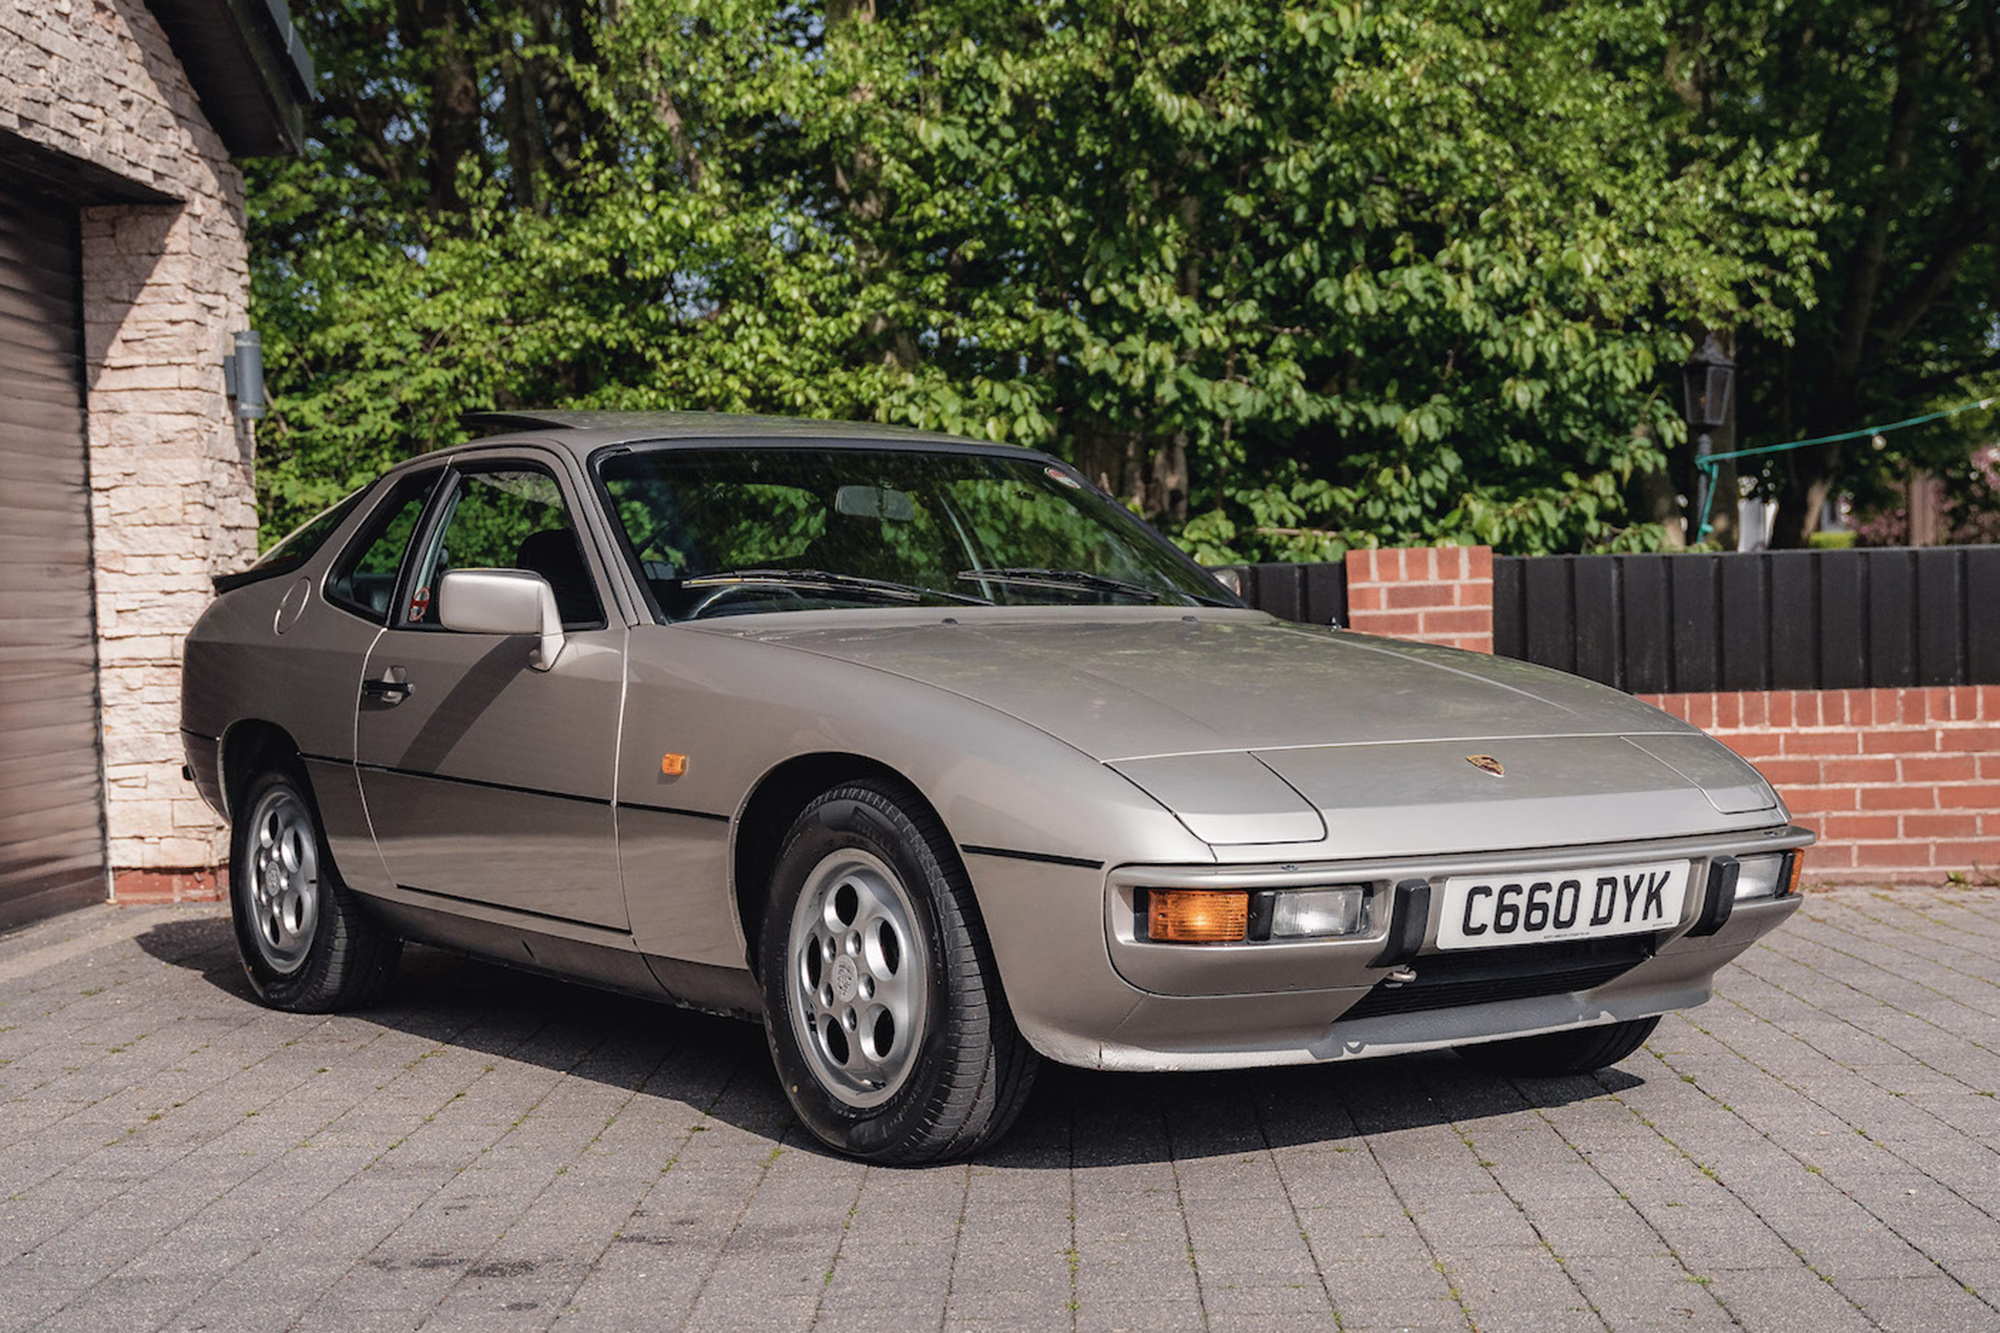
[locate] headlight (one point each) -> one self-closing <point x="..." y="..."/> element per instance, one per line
<point x="1246" y="916"/>
<point x="1766" y="877"/>
<point x="1319" y="913"/>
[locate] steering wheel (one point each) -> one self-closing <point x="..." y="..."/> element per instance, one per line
<point x="729" y="590"/>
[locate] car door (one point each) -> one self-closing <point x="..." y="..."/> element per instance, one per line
<point x="486" y="780"/>
<point x="319" y="657"/>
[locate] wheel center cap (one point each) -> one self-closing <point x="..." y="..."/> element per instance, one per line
<point x="846" y="978"/>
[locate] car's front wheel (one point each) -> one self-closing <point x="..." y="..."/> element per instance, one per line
<point x="1582" y="1051"/>
<point x="306" y="942"/>
<point x="881" y="1001"/>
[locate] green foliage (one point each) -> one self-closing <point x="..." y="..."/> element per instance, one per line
<point x="1287" y="280"/>
<point x="1896" y="105"/>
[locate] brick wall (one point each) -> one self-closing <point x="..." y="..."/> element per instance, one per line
<point x="1902" y="785"/>
<point x="1440" y="594"/>
<point x="164" y="285"/>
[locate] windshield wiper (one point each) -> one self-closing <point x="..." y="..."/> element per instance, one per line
<point x="824" y="578"/>
<point x="1035" y="577"/>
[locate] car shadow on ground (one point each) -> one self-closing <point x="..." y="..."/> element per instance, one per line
<point x="1075" y="1118"/>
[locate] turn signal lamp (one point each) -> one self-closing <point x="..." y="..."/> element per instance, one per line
<point x="1197" y="916"/>
<point x="1798" y="864"/>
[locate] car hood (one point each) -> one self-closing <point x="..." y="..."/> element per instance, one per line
<point x="1255" y="730"/>
<point x="1125" y="688"/>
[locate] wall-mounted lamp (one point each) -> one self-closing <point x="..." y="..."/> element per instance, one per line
<point x="243" y="376"/>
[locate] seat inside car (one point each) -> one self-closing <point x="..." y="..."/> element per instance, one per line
<point x="554" y="554"/>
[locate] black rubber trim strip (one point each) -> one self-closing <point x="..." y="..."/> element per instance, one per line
<point x="1047" y="858"/>
<point x="479" y="782"/>
<point x="514" y="911"/>
<point x="531" y="791"/>
<point x="1409" y="917"/>
<point x="1721" y="899"/>
<point x="672" y="810"/>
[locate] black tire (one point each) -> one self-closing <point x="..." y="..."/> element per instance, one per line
<point x="967" y="1071"/>
<point x="1552" y="1054"/>
<point x="315" y="949"/>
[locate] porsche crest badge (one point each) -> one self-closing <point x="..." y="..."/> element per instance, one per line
<point x="1487" y="763"/>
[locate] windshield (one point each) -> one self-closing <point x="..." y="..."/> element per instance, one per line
<point x="733" y="531"/>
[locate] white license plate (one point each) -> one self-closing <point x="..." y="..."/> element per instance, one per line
<point x="1485" y="911"/>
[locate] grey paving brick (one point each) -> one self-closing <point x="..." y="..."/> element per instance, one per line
<point x="1787" y="1300"/>
<point x="1921" y="1302"/>
<point x="1812" y="1150"/>
<point x="1646" y="1292"/>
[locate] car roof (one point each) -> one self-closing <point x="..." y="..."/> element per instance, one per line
<point x="582" y="433"/>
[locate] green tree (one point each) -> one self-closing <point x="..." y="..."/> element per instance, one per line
<point x="1899" y="101"/>
<point x="1287" y="280"/>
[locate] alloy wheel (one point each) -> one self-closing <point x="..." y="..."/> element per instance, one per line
<point x="859" y="970"/>
<point x="284" y="889"/>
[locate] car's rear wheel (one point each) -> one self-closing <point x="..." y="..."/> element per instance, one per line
<point x="306" y="942"/>
<point x="1555" y="1053"/>
<point x="881" y="1001"/>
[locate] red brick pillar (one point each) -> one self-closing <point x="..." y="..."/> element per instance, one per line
<point x="1440" y="594"/>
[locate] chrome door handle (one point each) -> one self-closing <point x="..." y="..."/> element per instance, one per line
<point x="392" y="687"/>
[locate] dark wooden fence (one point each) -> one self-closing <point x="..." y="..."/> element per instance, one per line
<point x="1800" y="620"/>
<point x="1777" y="620"/>
<point x="1314" y="594"/>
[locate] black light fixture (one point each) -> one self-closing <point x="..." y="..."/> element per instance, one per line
<point x="243" y="376"/>
<point x="1707" y="380"/>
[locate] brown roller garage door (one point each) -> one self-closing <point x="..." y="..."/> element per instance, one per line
<point x="51" y="788"/>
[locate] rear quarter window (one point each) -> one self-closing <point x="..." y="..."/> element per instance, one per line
<point x="295" y="547"/>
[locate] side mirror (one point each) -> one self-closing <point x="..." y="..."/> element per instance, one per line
<point x="503" y="601"/>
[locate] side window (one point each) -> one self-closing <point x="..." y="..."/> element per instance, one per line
<point x="363" y="580"/>
<point x="510" y="517"/>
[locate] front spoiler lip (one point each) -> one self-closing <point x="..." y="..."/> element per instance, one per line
<point x="1293" y="967"/>
<point x="1183" y="1034"/>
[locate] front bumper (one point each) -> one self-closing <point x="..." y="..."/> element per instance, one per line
<point x="1086" y="992"/>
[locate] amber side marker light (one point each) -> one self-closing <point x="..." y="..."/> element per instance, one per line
<point x="1197" y="916"/>
<point x="1792" y="880"/>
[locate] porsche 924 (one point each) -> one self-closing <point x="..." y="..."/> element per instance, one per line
<point x="931" y="756"/>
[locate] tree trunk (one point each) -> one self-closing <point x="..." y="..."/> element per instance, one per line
<point x="1808" y="481"/>
<point x="454" y="102"/>
<point x="1147" y="472"/>
<point x="1832" y="406"/>
<point x="1655" y="499"/>
<point x="870" y="206"/>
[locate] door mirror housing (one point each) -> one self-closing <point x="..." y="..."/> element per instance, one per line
<point x="503" y="601"/>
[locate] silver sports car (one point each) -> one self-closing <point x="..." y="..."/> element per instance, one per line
<point x="931" y="755"/>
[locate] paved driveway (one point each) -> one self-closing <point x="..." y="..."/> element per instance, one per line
<point x="1818" y="1148"/>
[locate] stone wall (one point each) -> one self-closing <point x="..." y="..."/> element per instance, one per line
<point x="164" y="287"/>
